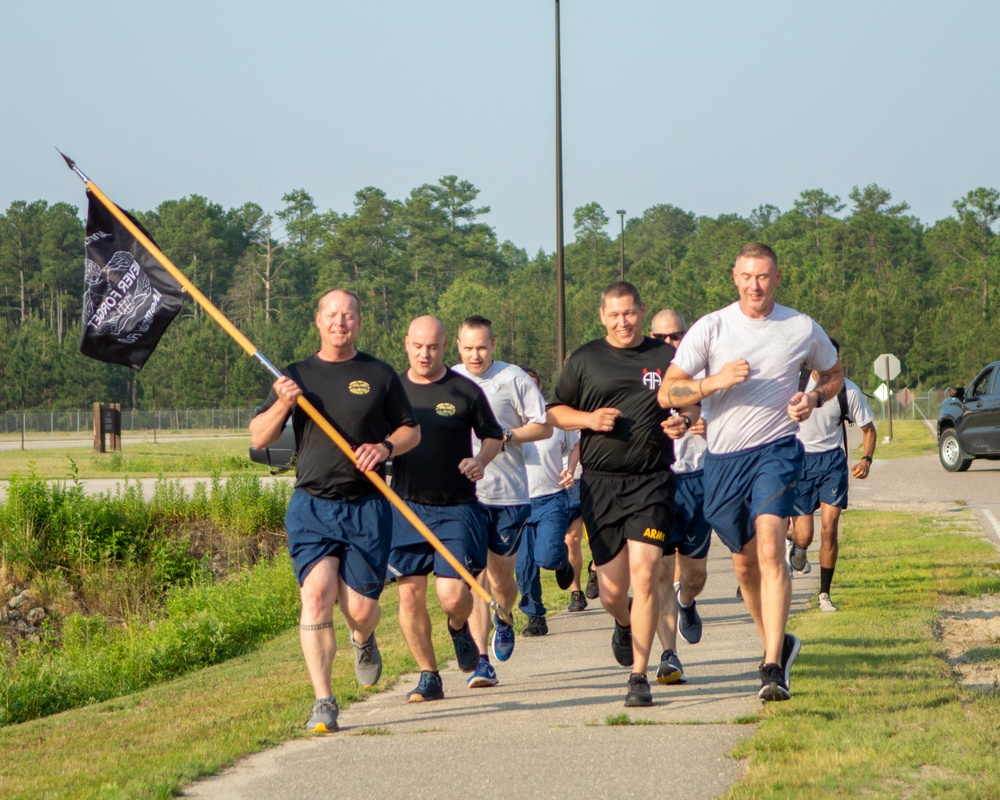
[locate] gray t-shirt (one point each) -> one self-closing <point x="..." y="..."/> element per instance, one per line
<point x="777" y="347"/>
<point x="545" y="461"/>
<point x="823" y="432"/>
<point x="515" y="401"/>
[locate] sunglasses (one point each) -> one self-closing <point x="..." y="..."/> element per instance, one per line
<point x="674" y="337"/>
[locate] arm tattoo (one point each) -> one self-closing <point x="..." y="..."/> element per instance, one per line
<point x="680" y="392"/>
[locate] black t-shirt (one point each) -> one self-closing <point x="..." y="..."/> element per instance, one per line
<point x="447" y="411"/>
<point x="598" y="375"/>
<point x="364" y="400"/>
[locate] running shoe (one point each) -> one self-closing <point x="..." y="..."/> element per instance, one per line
<point x="592" y="591"/>
<point x="324" y="716"/>
<point x="799" y="559"/>
<point x="825" y="603"/>
<point x="483" y="676"/>
<point x="565" y="575"/>
<point x="367" y="662"/>
<point x="577" y="602"/>
<point x="773" y="686"/>
<point x="688" y="621"/>
<point x="670" y="669"/>
<point x="429" y="688"/>
<point x="503" y="639"/>
<point x="466" y="650"/>
<point x="638" y="691"/>
<point x="789" y="652"/>
<point x="537" y="626"/>
<point x="621" y="645"/>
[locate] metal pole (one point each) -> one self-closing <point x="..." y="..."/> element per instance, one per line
<point x="621" y="240"/>
<point x="560" y="263"/>
<point x="888" y="396"/>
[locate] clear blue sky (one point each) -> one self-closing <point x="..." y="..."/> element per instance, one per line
<point x="715" y="107"/>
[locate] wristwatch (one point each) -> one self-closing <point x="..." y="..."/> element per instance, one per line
<point x="687" y="419"/>
<point x="387" y="445"/>
<point x="820" y="398"/>
<point x="508" y="436"/>
<point x="867" y="458"/>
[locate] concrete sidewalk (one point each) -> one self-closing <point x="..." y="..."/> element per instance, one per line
<point x="541" y="732"/>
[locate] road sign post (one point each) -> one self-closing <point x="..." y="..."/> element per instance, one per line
<point x="886" y="367"/>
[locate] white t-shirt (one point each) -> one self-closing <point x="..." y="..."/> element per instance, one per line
<point x="777" y="347"/>
<point x="689" y="450"/>
<point x="545" y="461"/>
<point x="515" y="401"/>
<point x="823" y="432"/>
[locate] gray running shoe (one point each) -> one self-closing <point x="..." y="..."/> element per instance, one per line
<point x="429" y="688"/>
<point x="621" y="645"/>
<point x="688" y="621"/>
<point x="324" y="716"/>
<point x="367" y="661"/>
<point x="825" y="603"/>
<point x="670" y="670"/>
<point x="638" y="691"/>
<point x="799" y="559"/>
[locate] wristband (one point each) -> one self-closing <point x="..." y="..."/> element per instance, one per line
<point x="687" y="419"/>
<point x="387" y="445"/>
<point x="867" y="458"/>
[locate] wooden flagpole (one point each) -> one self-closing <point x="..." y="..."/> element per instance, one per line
<point x="303" y="403"/>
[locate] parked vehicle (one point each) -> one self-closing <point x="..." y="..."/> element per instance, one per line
<point x="969" y="422"/>
<point x="280" y="456"/>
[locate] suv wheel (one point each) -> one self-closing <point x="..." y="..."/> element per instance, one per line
<point x="950" y="452"/>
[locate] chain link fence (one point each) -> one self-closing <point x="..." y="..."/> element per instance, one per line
<point x="162" y="419"/>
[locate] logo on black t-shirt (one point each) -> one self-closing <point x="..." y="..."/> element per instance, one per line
<point x="652" y="380"/>
<point x="359" y="387"/>
<point x="445" y="410"/>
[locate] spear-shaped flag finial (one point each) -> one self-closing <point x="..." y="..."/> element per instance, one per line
<point x="72" y="165"/>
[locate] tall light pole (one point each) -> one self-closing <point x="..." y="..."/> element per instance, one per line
<point x="621" y="240"/>
<point x="560" y="263"/>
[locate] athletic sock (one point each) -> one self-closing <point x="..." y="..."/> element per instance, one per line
<point x="825" y="579"/>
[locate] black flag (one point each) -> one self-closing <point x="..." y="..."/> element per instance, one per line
<point x="128" y="298"/>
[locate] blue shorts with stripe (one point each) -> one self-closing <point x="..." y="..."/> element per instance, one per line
<point x="823" y="480"/>
<point x="573" y="496"/>
<point x="504" y="525"/>
<point x="460" y="527"/>
<point x="358" y="532"/>
<point x="741" y="486"/>
<point x="691" y="534"/>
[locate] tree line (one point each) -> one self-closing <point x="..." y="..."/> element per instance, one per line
<point x="878" y="279"/>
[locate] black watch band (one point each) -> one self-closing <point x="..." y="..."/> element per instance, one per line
<point x="820" y="398"/>
<point x="387" y="445"/>
<point x="867" y="458"/>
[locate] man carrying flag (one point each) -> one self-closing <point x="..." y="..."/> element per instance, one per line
<point x="339" y="527"/>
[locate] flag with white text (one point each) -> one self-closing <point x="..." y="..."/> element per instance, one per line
<point x="128" y="298"/>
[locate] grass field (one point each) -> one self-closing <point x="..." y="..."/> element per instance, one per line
<point x="140" y="459"/>
<point x="877" y="712"/>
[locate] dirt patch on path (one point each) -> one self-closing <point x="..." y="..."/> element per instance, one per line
<point x="970" y="630"/>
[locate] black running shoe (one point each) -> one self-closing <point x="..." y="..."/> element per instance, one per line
<point x="772" y="683"/>
<point x="592" y="591"/>
<point x="621" y="645"/>
<point x="577" y="602"/>
<point x="789" y="651"/>
<point x="670" y="670"/>
<point x="537" y="626"/>
<point x="638" y="691"/>
<point x="565" y="575"/>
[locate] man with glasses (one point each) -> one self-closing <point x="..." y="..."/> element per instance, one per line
<point x="682" y="578"/>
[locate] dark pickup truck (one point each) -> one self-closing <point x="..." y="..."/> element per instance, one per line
<point x="969" y="421"/>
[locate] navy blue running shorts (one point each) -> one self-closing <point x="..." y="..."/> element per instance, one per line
<point x="504" y="524"/>
<point x="741" y="486"/>
<point x="823" y="480"/>
<point x="460" y="527"/>
<point x="691" y="534"/>
<point x="358" y="532"/>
